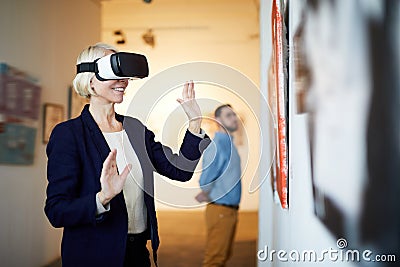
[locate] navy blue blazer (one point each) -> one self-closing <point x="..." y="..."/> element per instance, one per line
<point x="76" y="152"/>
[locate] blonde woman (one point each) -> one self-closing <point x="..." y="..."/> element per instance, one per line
<point x="100" y="189"/>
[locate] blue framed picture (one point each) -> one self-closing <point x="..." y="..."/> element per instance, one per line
<point x="17" y="144"/>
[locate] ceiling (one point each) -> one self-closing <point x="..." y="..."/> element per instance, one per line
<point x="222" y="20"/>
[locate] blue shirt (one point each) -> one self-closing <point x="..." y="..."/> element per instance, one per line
<point x="221" y="171"/>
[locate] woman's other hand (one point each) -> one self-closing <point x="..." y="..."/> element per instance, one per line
<point x="112" y="182"/>
<point x="190" y="106"/>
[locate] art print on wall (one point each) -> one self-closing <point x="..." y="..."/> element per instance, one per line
<point x="353" y="106"/>
<point x="53" y="115"/>
<point x="75" y="103"/>
<point x="17" y="144"/>
<point x="278" y="100"/>
<point x="19" y="113"/>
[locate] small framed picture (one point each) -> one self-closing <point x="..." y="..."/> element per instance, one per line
<point x="53" y="114"/>
<point x="75" y="103"/>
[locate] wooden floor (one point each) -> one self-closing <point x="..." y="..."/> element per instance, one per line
<point x="182" y="235"/>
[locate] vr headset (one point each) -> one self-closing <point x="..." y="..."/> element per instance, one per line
<point x="117" y="66"/>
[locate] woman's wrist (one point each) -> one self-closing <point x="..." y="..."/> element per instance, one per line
<point x="103" y="199"/>
<point x="195" y="126"/>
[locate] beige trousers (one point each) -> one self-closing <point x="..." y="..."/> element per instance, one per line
<point x="221" y="227"/>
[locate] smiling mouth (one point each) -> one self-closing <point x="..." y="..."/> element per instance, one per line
<point x="119" y="89"/>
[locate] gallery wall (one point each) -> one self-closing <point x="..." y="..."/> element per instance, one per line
<point x="296" y="227"/>
<point x="343" y="135"/>
<point x="41" y="38"/>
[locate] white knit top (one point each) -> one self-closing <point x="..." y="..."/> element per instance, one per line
<point x="133" y="189"/>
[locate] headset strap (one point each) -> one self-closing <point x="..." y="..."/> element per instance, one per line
<point x="87" y="67"/>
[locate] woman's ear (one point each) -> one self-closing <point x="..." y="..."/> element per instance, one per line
<point x="92" y="85"/>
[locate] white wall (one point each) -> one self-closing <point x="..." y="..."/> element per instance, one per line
<point x="43" y="39"/>
<point x="266" y="219"/>
<point x="224" y="32"/>
<point x="297" y="228"/>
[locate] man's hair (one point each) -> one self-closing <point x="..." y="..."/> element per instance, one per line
<point x="218" y="111"/>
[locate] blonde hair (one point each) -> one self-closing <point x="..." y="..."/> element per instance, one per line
<point x="81" y="82"/>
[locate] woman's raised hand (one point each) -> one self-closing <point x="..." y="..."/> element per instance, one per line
<point x="112" y="182"/>
<point x="190" y="106"/>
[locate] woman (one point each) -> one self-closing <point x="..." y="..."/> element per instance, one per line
<point x="105" y="205"/>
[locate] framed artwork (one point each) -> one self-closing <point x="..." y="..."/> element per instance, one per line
<point x="75" y="103"/>
<point x="273" y="134"/>
<point x="53" y="114"/>
<point x="301" y="67"/>
<point x="353" y="120"/>
<point x="17" y="144"/>
<point x="19" y="94"/>
<point x="279" y="99"/>
<point x="20" y="105"/>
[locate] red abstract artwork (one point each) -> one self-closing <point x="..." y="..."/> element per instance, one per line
<point x="280" y="73"/>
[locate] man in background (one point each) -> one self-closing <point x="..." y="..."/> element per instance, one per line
<point x="221" y="187"/>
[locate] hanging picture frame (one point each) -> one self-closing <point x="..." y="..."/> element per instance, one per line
<point x="75" y="103"/>
<point x="280" y="100"/>
<point x="53" y="114"/>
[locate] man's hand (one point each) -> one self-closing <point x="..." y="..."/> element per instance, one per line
<point x="202" y="197"/>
